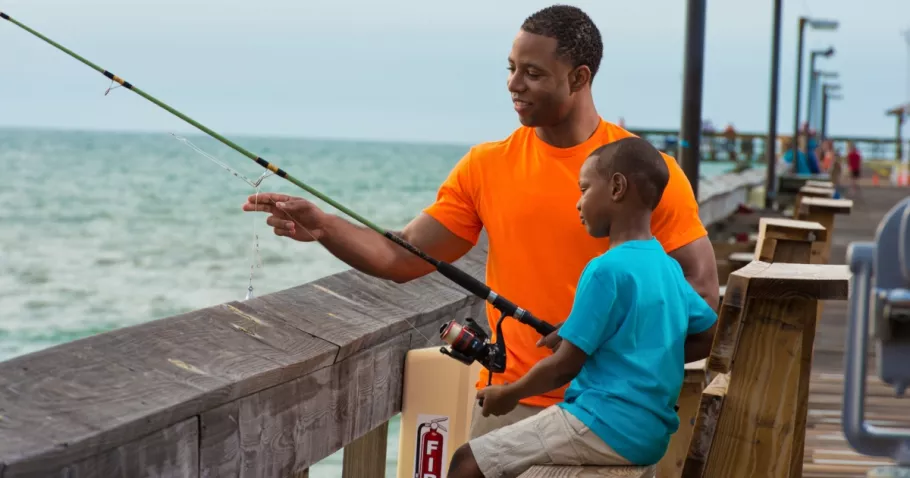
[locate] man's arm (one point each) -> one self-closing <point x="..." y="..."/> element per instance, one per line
<point x="371" y="253"/>
<point x="446" y="230"/>
<point x="698" y="346"/>
<point x="702" y="325"/>
<point x="700" y="268"/>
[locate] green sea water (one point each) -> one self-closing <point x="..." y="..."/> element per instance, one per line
<point x="103" y="230"/>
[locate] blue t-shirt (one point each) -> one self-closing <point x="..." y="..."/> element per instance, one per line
<point x="632" y="312"/>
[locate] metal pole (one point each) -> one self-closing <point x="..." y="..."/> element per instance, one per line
<point x="810" y="95"/>
<point x="690" y="130"/>
<point x="824" y="128"/>
<point x="771" y="141"/>
<point x="799" y="74"/>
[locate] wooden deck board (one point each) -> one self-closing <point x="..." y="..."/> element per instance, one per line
<point x="827" y="453"/>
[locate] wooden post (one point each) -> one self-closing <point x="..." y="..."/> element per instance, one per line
<point x="810" y="191"/>
<point x="365" y="457"/>
<point x="820" y="184"/>
<point x="822" y="211"/>
<point x="755" y="431"/>
<point x="694" y="381"/>
<point x="781" y="241"/>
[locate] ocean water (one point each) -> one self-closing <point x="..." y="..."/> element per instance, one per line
<point x="103" y="230"/>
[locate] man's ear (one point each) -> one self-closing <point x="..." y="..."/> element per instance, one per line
<point x="579" y="77"/>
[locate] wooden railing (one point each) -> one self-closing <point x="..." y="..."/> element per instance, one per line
<point x="265" y="387"/>
<point x="751" y="146"/>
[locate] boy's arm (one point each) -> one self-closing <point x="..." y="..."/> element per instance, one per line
<point x="550" y="373"/>
<point x="589" y="324"/>
<point x="702" y="324"/>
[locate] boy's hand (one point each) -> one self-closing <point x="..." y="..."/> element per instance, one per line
<point x="498" y="399"/>
<point x="552" y="340"/>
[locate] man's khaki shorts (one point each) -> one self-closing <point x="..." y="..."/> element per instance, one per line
<point x="551" y="437"/>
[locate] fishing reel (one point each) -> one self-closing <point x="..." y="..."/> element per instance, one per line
<point x="471" y="343"/>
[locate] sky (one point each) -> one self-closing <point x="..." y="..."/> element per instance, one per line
<point x="423" y="70"/>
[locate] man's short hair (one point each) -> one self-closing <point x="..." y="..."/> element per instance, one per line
<point x="577" y="37"/>
<point x="640" y="162"/>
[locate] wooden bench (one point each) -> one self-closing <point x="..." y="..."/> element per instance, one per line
<point x="819" y="184"/>
<point x="757" y="412"/>
<point x="813" y="192"/>
<point x="590" y="472"/>
<point x="749" y="423"/>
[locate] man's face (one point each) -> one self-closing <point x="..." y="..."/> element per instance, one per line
<point x="597" y="201"/>
<point x="539" y="80"/>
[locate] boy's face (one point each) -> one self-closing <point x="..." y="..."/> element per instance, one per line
<point x="599" y="197"/>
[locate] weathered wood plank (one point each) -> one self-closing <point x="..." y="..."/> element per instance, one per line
<point x="754" y="432"/>
<point x="826" y="282"/>
<point x="550" y="471"/>
<point x="709" y="410"/>
<point x="288" y="428"/>
<point x="728" y="324"/>
<point x="354" y="311"/>
<point x="132" y="381"/>
<point x="838" y="206"/>
<point x="365" y="456"/>
<point x="167" y="453"/>
<point x="780" y="241"/>
<point x="811" y="191"/>
<point x="671" y="464"/>
<point x="820" y="184"/>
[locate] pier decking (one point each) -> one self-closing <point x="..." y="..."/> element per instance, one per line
<point x="827" y="454"/>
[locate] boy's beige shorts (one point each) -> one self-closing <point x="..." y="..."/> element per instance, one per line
<point x="510" y="444"/>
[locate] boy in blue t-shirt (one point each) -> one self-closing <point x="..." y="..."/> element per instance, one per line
<point x="634" y="324"/>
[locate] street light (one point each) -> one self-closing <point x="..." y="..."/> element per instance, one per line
<point x="825" y="97"/>
<point x="816" y="24"/>
<point x="771" y="141"/>
<point x="813" y="85"/>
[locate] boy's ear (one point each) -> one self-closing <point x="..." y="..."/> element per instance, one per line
<point x="618" y="186"/>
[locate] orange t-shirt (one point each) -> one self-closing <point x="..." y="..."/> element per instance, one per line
<point x="523" y="191"/>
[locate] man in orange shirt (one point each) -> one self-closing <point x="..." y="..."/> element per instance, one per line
<point x="522" y="190"/>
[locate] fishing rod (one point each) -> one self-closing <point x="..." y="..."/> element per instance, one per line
<point x="468" y="342"/>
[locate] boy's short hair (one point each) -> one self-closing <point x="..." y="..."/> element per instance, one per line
<point x="640" y="162"/>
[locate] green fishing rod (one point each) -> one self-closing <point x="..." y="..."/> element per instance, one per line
<point x="468" y="342"/>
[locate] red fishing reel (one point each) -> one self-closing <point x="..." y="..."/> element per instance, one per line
<point x="469" y="342"/>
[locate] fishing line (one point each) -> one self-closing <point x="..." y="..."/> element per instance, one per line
<point x="456" y="275"/>
<point x="256" y="184"/>
<point x="256" y="260"/>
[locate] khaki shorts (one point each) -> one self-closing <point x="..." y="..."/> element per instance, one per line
<point x="550" y="437"/>
<point x="481" y="425"/>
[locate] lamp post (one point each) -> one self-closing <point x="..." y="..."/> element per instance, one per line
<point x="813" y="84"/>
<point x="690" y="129"/>
<point x="816" y="25"/>
<point x="818" y="75"/>
<point x="771" y="142"/>
<point x="825" y="97"/>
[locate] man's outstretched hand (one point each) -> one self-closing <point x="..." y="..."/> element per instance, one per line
<point x="290" y="216"/>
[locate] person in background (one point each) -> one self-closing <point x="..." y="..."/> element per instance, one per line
<point x="801" y="165"/>
<point x="855" y="165"/>
<point x="836" y="173"/>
